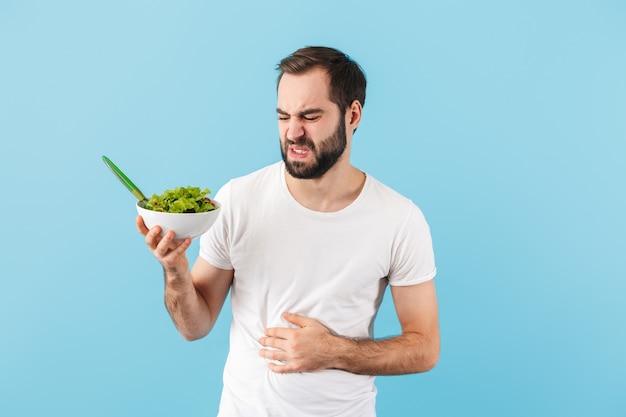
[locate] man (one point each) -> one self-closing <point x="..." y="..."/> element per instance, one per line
<point x="307" y="247"/>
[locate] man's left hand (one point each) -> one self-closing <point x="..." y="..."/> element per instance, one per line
<point x="307" y="348"/>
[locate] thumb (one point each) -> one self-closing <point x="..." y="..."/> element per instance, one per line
<point x="297" y="319"/>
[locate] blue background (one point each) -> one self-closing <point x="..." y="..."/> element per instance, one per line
<point x="503" y="120"/>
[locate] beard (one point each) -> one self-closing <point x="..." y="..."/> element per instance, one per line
<point x="326" y="154"/>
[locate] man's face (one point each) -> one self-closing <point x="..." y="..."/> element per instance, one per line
<point x="312" y="129"/>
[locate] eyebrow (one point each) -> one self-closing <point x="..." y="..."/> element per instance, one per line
<point x="303" y="113"/>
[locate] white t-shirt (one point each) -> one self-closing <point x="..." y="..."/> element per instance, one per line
<point x="333" y="267"/>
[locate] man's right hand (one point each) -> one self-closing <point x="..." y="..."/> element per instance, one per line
<point x="170" y="254"/>
<point x="193" y="301"/>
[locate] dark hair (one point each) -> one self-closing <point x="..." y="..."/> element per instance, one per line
<point x="347" y="79"/>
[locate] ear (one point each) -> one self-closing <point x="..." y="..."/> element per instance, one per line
<point x="353" y="115"/>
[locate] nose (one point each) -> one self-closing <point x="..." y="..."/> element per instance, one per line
<point x="295" y="129"/>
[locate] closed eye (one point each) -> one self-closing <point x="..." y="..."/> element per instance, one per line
<point x="309" y="115"/>
<point x="282" y="115"/>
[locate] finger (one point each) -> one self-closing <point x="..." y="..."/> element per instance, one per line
<point x="153" y="237"/>
<point x="274" y="355"/>
<point x="278" y="332"/>
<point x="165" y="243"/>
<point x="281" y="369"/>
<point x="181" y="247"/>
<point x="273" y="342"/>
<point x="141" y="226"/>
<point x="297" y="319"/>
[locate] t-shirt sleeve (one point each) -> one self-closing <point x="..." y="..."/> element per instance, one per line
<point x="214" y="244"/>
<point x="413" y="260"/>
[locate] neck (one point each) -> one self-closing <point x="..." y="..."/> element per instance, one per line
<point x="333" y="191"/>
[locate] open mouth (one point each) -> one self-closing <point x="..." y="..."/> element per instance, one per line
<point x="297" y="151"/>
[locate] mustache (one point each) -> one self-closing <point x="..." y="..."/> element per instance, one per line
<point x="302" y="140"/>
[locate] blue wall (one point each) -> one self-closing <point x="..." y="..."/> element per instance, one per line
<point x="504" y="121"/>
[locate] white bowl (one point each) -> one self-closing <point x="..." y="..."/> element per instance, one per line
<point x="184" y="225"/>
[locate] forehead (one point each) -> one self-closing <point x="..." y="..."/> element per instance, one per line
<point x="299" y="91"/>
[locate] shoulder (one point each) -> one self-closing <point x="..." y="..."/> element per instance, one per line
<point x="254" y="181"/>
<point x="387" y="196"/>
<point x="392" y="207"/>
<point x="266" y="174"/>
<point x="251" y="191"/>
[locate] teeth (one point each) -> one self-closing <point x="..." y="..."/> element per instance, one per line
<point x="299" y="151"/>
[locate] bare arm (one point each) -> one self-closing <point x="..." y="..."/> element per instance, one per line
<point x="415" y="350"/>
<point x="313" y="347"/>
<point x="193" y="298"/>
